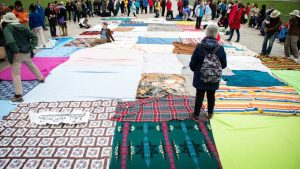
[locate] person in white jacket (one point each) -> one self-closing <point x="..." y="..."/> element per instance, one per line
<point x="199" y="12"/>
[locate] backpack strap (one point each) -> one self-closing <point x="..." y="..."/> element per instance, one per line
<point x="216" y="49"/>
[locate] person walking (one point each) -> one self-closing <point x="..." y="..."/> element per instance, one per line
<point x="199" y="11"/>
<point x="271" y="32"/>
<point x="36" y="24"/>
<point x="207" y="62"/>
<point x="293" y="35"/>
<point x="19" y="42"/>
<point x="235" y="23"/>
<point x="52" y="19"/>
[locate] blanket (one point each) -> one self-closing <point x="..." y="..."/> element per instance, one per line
<point x="90" y="33"/>
<point x="155" y="109"/>
<point x="291" y="77"/>
<point x="163" y="28"/>
<point x="81" y="42"/>
<point x="162" y="41"/>
<point x="160" y="85"/>
<point x="57" y="52"/>
<point x="248" y="141"/>
<point x="252" y="78"/>
<point x="7" y="89"/>
<point x="86" y="146"/>
<point x="174" y="144"/>
<point x="181" y="48"/>
<point x="61" y="41"/>
<point x="122" y="29"/>
<point x="45" y="65"/>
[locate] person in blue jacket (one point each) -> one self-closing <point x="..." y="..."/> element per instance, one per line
<point x="36" y="24"/>
<point x="208" y="45"/>
<point x="145" y="4"/>
<point x="41" y="11"/>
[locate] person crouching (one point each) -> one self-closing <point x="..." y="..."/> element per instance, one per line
<point x="105" y="36"/>
<point x="207" y="62"/>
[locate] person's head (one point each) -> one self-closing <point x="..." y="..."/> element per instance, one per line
<point x="275" y="14"/>
<point x="240" y="5"/>
<point x="9" y="17"/>
<point x="11" y="8"/>
<point x="295" y="14"/>
<point x="31" y="7"/>
<point x="104" y="25"/>
<point x="18" y="5"/>
<point x="212" y="30"/>
<point x="255" y="5"/>
<point x="263" y="6"/>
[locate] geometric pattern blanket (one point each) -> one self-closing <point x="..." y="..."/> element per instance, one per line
<point x="155" y="109"/>
<point x="154" y="145"/>
<point x="82" y="146"/>
<point x="7" y="89"/>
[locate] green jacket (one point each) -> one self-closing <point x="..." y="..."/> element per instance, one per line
<point x="18" y="39"/>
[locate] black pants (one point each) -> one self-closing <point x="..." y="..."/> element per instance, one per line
<point x="52" y="29"/>
<point x="237" y="32"/>
<point x="163" y="9"/>
<point x="137" y="10"/>
<point x="69" y="13"/>
<point x="210" y="101"/>
<point x="169" y="15"/>
<point x="198" y="22"/>
<point x="213" y="15"/>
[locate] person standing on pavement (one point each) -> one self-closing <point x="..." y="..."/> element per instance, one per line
<point x="41" y="11"/>
<point x="199" y="11"/>
<point x="19" y="42"/>
<point x="293" y="35"/>
<point x="151" y="3"/>
<point x="20" y="13"/>
<point x="207" y="12"/>
<point x="157" y="8"/>
<point x="61" y="17"/>
<point x="169" y="10"/>
<point x="74" y="11"/>
<point x="110" y="7"/>
<point x="52" y="19"/>
<point x="180" y="7"/>
<point x="137" y="5"/>
<point x="261" y="16"/>
<point x="133" y="8"/>
<point x="235" y="23"/>
<point x="69" y="9"/>
<point x="36" y="24"/>
<point x="163" y="7"/>
<point x="271" y="32"/>
<point x="213" y="7"/>
<point x="207" y="62"/>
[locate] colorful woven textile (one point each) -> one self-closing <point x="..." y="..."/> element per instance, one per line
<point x="252" y="78"/>
<point x="81" y="42"/>
<point x="45" y="65"/>
<point x="155" y="109"/>
<point x="291" y="77"/>
<point x="163" y="41"/>
<point x="160" y="85"/>
<point x="174" y="144"/>
<point x="260" y="142"/>
<point x="192" y="41"/>
<point x="181" y="48"/>
<point x="7" y="89"/>
<point x="90" y="33"/>
<point x="81" y="146"/>
<point x="280" y="63"/>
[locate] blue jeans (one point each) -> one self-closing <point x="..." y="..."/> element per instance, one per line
<point x="266" y="50"/>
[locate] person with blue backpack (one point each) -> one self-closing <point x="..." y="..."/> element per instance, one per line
<point x="199" y="12"/>
<point x="207" y="62"/>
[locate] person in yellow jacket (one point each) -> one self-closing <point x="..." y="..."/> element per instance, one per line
<point x="157" y="8"/>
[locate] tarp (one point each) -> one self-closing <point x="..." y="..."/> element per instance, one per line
<point x="260" y="142"/>
<point x="291" y="77"/>
<point x="250" y="78"/>
<point x="57" y="52"/>
<point x="5" y="108"/>
<point x="45" y="65"/>
<point x="163" y="41"/>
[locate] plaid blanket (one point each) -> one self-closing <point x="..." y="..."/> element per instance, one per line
<point x="7" y="89"/>
<point x="155" y="109"/>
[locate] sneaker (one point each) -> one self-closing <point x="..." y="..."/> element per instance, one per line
<point x="194" y="117"/>
<point x="210" y="116"/>
<point x="17" y="98"/>
<point x="42" y="80"/>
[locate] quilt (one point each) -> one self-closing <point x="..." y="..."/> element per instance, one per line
<point x="291" y="77"/>
<point x="279" y="63"/>
<point x="81" y="42"/>
<point x="7" y="89"/>
<point x="162" y="41"/>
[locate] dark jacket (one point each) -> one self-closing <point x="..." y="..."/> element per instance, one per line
<point x="273" y="26"/>
<point x="51" y="15"/>
<point x="35" y="20"/>
<point x="198" y="59"/>
<point x="294" y="28"/>
<point x="18" y="39"/>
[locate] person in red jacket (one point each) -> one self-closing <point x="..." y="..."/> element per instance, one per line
<point x="180" y="7"/>
<point x="235" y="24"/>
<point x="150" y="2"/>
<point x="169" y="10"/>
